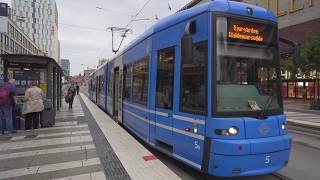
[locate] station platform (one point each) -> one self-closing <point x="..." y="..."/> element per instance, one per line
<point x="298" y="113"/>
<point x="85" y="143"/>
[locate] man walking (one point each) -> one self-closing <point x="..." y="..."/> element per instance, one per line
<point x="7" y="101"/>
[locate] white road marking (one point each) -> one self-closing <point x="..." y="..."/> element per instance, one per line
<point x="48" y="168"/>
<point x="44" y="142"/>
<point x="67" y="123"/>
<point x="45" y="151"/>
<point x="17" y="138"/>
<point x="89" y="176"/>
<point x="63" y="133"/>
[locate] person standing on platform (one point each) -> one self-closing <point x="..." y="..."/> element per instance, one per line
<point x="33" y="105"/>
<point x="8" y="100"/>
<point x="71" y="93"/>
<point x="78" y="88"/>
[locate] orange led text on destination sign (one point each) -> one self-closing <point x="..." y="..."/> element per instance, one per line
<point x="245" y="33"/>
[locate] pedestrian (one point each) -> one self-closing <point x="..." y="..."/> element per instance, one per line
<point x="33" y="105"/>
<point x="8" y="100"/>
<point x="78" y="88"/>
<point x="71" y="93"/>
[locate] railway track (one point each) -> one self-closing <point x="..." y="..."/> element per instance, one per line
<point x="280" y="176"/>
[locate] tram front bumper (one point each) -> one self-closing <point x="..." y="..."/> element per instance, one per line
<point x="256" y="157"/>
<point x="250" y="165"/>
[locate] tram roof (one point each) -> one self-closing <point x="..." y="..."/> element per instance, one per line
<point x="223" y="6"/>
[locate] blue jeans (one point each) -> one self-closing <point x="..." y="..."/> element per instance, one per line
<point x="6" y="119"/>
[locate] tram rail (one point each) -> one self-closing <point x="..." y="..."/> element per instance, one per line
<point x="281" y="176"/>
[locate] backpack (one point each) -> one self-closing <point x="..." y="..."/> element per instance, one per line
<point x="4" y="94"/>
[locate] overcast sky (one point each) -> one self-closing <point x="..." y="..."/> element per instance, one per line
<point x="82" y="34"/>
<point x="86" y="46"/>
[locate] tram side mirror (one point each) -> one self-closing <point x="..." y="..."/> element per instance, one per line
<point x="186" y="49"/>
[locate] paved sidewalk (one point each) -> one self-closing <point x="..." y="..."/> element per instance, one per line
<point x="298" y="105"/>
<point x="138" y="162"/>
<point x="65" y="151"/>
<point x="299" y="113"/>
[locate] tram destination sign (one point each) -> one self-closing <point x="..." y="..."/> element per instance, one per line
<point x="250" y="32"/>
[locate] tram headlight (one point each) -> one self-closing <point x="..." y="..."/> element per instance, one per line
<point x="283" y="127"/>
<point x="233" y="131"/>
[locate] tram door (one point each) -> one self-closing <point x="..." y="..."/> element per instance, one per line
<point x="116" y="92"/>
<point x="120" y="93"/>
<point x="117" y="99"/>
<point x="164" y="96"/>
<point x="96" y="90"/>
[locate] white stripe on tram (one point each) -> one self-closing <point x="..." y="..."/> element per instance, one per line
<point x="197" y="136"/>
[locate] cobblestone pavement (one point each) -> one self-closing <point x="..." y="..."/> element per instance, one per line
<point x="65" y="151"/>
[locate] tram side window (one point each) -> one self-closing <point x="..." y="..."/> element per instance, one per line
<point x="127" y="79"/>
<point x="165" y="70"/>
<point x="140" y="81"/>
<point x="193" y="85"/>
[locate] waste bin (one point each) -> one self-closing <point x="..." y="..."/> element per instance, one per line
<point x="48" y="114"/>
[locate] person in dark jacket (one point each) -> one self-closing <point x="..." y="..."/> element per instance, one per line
<point x="78" y="88"/>
<point x="7" y="103"/>
<point x="71" y="93"/>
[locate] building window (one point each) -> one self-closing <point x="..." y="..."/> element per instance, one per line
<point x="11" y="29"/>
<point x="140" y="81"/>
<point x="11" y="46"/>
<point x="165" y="76"/>
<point x="193" y="90"/>
<point x="127" y="81"/>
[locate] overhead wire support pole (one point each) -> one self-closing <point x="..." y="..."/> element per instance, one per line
<point x="125" y="30"/>
<point x="121" y="30"/>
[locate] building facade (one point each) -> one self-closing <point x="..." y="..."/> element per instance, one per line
<point x="65" y="65"/>
<point x="39" y="19"/>
<point x="13" y="40"/>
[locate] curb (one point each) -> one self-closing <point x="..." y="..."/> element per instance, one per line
<point x="303" y="125"/>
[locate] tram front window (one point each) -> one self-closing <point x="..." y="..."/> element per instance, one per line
<point x="247" y="68"/>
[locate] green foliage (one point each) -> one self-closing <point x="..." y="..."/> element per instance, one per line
<point x="310" y="54"/>
<point x="291" y="67"/>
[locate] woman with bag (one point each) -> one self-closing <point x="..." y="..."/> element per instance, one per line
<point x="33" y="105"/>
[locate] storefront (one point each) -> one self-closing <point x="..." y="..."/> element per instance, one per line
<point x="300" y="88"/>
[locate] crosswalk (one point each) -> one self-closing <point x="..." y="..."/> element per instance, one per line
<point x="65" y="151"/>
<point x="303" y="118"/>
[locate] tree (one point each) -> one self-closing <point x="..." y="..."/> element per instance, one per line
<point x="310" y="56"/>
<point x="290" y="66"/>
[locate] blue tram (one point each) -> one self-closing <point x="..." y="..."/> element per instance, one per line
<point x="203" y="86"/>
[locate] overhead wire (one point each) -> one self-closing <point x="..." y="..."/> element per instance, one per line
<point x="131" y="20"/>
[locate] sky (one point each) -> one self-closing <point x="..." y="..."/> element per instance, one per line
<point x="82" y="26"/>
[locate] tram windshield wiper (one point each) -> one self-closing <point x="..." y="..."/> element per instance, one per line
<point x="266" y="106"/>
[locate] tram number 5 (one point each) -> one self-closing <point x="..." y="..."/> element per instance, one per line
<point x="267" y="160"/>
